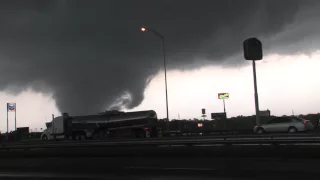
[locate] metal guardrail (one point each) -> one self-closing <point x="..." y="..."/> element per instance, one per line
<point x="165" y="138"/>
<point x="160" y="142"/>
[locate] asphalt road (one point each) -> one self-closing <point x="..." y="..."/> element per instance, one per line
<point x="178" y="162"/>
<point x="158" y="168"/>
<point x="166" y="162"/>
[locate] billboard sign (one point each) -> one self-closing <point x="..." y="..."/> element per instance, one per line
<point x="11" y="107"/>
<point x="223" y="95"/>
<point x="265" y="113"/>
<point x="218" y="116"/>
<point x="252" y="49"/>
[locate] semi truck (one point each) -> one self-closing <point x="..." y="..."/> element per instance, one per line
<point x="108" y="124"/>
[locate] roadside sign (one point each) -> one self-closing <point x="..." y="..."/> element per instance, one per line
<point x="252" y="49"/>
<point x="219" y="116"/>
<point x="223" y="95"/>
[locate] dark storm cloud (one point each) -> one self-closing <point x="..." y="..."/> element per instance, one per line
<point x="91" y="54"/>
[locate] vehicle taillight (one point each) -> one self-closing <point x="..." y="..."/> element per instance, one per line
<point x="305" y="121"/>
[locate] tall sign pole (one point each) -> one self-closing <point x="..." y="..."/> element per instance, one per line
<point x="252" y="48"/>
<point x="7" y="118"/>
<point x="203" y="111"/>
<point x="54" y="137"/>
<point x="224" y="106"/>
<point x="11" y="107"/>
<point x="15" y="117"/>
<point x="256" y="97"/>
<point x="223" y="96"/>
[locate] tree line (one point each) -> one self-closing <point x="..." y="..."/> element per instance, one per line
<point x="236" y="124"/>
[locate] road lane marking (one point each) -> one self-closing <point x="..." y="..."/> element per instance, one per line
<point x="170" y="168"/>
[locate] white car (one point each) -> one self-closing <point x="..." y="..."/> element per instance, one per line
<point x="289" y="124"/>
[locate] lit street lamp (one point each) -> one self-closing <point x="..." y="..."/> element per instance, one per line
<point x="144" y="29"/>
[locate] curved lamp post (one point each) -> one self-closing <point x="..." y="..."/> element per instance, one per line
<point x="145" y="29"/>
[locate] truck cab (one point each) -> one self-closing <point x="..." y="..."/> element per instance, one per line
<point x="58" y="128"/>
<point x="54" y="129"/>
<point x="46" y="134"/>
<point x="64" y="127"/>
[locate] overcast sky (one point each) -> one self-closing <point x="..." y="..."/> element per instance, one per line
<point x="84" y="57"/>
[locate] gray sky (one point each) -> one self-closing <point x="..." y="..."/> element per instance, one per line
<point x="90" y="53"/>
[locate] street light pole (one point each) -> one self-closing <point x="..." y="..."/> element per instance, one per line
<point x="165" y="76"/>
<point x="164" y="63"/>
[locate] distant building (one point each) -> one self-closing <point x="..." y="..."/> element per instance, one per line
<point x="219" y="116"/>
<point x="265" y="113"/>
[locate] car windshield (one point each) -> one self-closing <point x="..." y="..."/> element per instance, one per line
<point x="158" y="78"/>
<point x="48" y="124"/>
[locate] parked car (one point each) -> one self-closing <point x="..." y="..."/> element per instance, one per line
<point x="289" y="124"/>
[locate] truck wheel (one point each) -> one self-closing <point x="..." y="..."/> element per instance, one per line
<point x="44" y="138"/>
<point x="81" y="137"/>
<point x="142" y="134"/>
<point x="292" y="130"/>
<point x="260" y="131"/>
<point x="147" y="134"/>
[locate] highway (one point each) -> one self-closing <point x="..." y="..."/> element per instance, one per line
<point x="213" y="161"/>
<point x="233" y="156"/>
